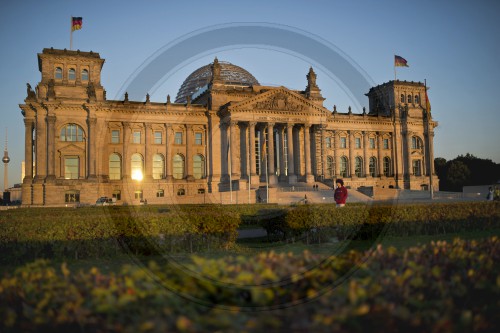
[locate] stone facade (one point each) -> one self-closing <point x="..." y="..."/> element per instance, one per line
<point x="83" y="146"/>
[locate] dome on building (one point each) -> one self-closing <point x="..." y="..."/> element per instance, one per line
<point x="230" y="74"/>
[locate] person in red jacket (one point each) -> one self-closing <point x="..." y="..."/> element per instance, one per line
<point x="340" y="194"/>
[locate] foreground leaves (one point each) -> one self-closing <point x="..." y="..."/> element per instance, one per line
<point x="440" y="287"/>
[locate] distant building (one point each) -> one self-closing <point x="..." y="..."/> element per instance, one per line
<point x="223" y="127"/>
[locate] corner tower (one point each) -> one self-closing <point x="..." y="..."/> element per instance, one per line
<point x="70" y="75"/>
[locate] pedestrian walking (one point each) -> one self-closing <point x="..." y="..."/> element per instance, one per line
<point x="340" y="194"/>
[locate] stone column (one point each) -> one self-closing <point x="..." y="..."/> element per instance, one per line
<point x="169" y="157"/>
<point x="51" y="139"/>
<point x="322" y="153"/>
<point x="91" y="147"/>
<point x="292" y="177"/>
<point x="225" y="158"/>
<point x="336" y="154"/>
<point x="351" y="171"/>
<point x="41" y="147"/>
<point x="430" y="154"/>
<point x="28" y="150"/>
<point x="125" y="158"/>
<point x="234" y="150"/>
<point x="408" y="148"/>
<point x="307" y="153"/>
<point x="270" y="144"/>
<point x="189" y="152"/>
<point x="281" y="155"/>
<point x="253" y="162"/>
<point x="148" y="158"/>
<point x="366" y="162"/>
<point x="380" y="158"/>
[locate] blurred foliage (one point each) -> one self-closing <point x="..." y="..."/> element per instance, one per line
<point x="439" y="287"/>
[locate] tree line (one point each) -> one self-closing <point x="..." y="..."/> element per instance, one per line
<point x="465" y="170"/>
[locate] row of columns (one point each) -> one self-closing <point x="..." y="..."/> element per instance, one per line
<point x="233" y="141"/>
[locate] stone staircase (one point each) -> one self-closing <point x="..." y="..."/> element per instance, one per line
<point x="298" y="193"/>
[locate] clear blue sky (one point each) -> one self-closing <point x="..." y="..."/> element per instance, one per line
<point x="453" y="44"/>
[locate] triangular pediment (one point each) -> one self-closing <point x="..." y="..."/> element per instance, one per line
<point x="278" y="99"/>
<point x="71" y="149"/>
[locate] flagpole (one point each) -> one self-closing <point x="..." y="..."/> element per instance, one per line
<point x="267" y="170"/>
<point x="71" y="32"/>
<point x="394" y="68"/>
<point x="249" y="173"/>
<point x="431" y="162"/>
<point x="230" y="166"/>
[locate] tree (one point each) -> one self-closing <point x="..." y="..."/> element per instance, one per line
<point x="457" y="175"/>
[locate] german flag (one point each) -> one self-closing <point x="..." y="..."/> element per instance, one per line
<point x="427" y="103"/>
<point x="76" y="23"/>
<point x="400" y="61"/>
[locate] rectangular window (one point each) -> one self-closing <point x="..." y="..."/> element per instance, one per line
<point x="115" y="136"/>
<point x="357" y="142"/>
<point x="328" y="142"/>
<point x="178" y="138"/>
<point x="138" y="195"/>
<point x="158" y="138"/>
<point x="372" y="143"/>
<point x="72" y="196"/>
<point x="201" y="191"/>
<point x="117" y="195"/>
<point x="386" y="143"/>
<point x="198" y="139"/>
<point x="136" y="137"/>
<point x="416" y="168"/>
<point x="343" y="143"/>
<point x="160" y="194"/>
<point x="71" y="166"/>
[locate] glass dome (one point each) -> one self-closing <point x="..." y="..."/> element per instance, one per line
<point x="230" y="74"/>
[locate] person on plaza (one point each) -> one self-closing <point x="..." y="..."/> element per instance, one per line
<point x="340" y="194"/>
<point x="489" y="197"/>
<point x="496" y="193"/>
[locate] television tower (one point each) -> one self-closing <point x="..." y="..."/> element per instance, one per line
<point x="5" y="161"/>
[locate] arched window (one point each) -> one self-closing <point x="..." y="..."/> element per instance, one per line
<point x="358" y="166"/>
<point x="417" y="99"/>
<point x="402" y="98"/>
<point x="387" y="166"/>
<point x="409" y="98"/>
<point x="115" y="167"/>
<point x="178" y="167"/>
<point x="71" y="74"/>
<point x="373" y="167"/>
<point x="344" y="170"/>
<point x="58" y="73"/>
<point x="72" y="133"/>
<point x="158" y="166"/>
<point x="85" y="75"/>
<point x="137" y="167"/>
<point x="198" y="167"/>
<point x="330" y="167"/>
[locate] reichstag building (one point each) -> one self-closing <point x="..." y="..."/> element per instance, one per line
<point x="223" y="135"/>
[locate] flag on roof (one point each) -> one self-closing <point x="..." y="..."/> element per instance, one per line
<point x="76" y="23"/>
<point x="400" y="61"/>
<point x="427" y="103"/>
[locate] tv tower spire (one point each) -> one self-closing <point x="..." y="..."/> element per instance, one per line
<point x="5" y="161"/>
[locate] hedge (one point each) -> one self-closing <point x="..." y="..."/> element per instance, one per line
<point x="318" y="222"/>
